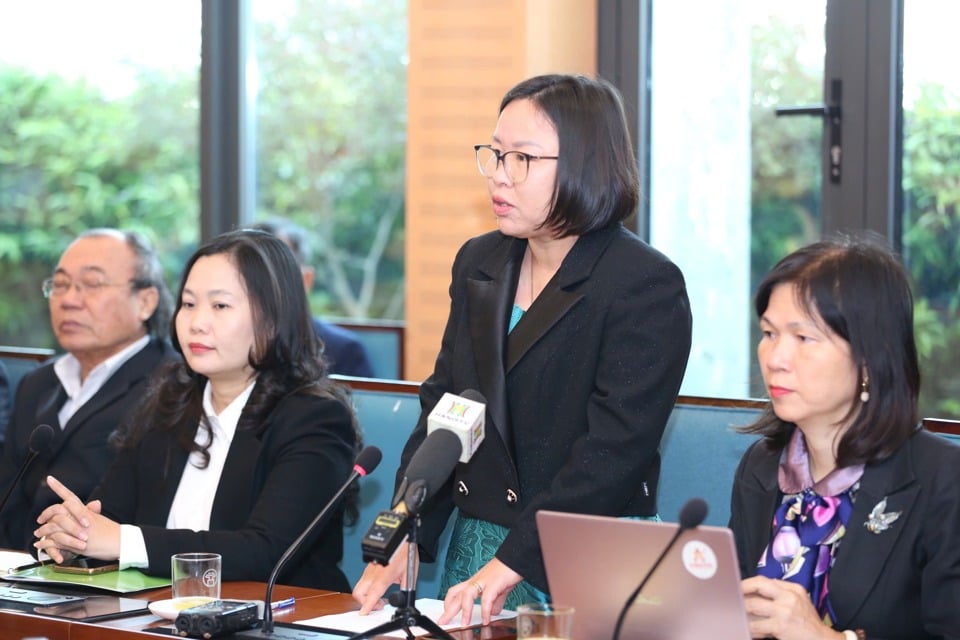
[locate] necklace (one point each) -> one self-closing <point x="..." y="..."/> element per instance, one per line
<point x="530" y="264"/>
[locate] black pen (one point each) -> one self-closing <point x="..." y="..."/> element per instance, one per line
<point x="32" y="565"/>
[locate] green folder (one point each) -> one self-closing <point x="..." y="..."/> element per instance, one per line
<point x="126" y="581"/>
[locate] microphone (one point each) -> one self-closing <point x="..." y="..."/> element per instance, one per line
<point x="455" y="429"/>
<point x="39" y="443"/>
<point x="462" y="415"/>
<point x="366" y="462"/>
<point x="692" y="515"/>
<point x="429" y="468"/>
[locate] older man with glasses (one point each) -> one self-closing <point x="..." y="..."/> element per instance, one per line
<point x="110" y="312"/>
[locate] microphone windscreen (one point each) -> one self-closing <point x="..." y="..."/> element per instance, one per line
<point x="473" y="394"/>
<point x="368" y="460"/>
<point x="435" y="459"/>
<point x="693" y="513"/>
<point x="40" y="439"/>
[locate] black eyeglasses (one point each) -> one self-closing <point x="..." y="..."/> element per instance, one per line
<point x="515" y="163"/>
<point x="86" y="285"/>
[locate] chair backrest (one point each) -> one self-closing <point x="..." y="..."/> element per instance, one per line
<point x="943" y="427"/>
<point x="383" y="341"/>
<point x="700" y="451"/>
<point x="19" y="361"/>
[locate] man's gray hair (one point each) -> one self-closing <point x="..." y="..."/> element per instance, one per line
<point x="148" y="273"/>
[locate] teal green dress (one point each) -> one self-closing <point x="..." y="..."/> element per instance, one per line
<point x="474" y="543"/>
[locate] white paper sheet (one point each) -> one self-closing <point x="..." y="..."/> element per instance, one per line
<point x="352" y="621"/>
<point x="13" y="559"/>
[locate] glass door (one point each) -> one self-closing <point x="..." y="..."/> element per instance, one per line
<point x="931" y="191"/>
<point x="732" y="187"/>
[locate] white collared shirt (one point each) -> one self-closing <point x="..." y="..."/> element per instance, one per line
<point x="193" y="502"/>
<point x="79" y="392"/>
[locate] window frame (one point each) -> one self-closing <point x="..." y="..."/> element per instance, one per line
<point x="863" y="42"/>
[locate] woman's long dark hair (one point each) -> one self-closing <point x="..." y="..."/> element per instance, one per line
<point x="860" y="291"/>
<point x="286" y="355"/>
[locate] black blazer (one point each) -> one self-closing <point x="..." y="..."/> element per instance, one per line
<point x="577" y="396"/>
<point x="275" y="480"/>
<point x="901" y="583"/>
<point x="6" y="398"/>
<point x="79" y="454"/>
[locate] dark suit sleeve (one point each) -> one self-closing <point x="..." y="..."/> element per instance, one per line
<point x="354" y="361"/>
<point x="740" y="520"/>
<point x="271" y="488"/>
<point x="5" y="400"/>
<point x="16" y="520"/>
<point x="343" y="350"/>
<point x="940" y="543"/>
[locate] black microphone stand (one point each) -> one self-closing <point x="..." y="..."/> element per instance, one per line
<point x="367" y="461"/>
<point x="407" y="616"/>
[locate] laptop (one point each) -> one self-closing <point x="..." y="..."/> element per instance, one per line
<point x="595" y="562"/>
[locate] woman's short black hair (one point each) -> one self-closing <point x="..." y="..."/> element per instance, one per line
<point x="859" y="289"/>
<point x="598" y="182"/>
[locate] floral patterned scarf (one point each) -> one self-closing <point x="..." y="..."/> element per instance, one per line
<point x="808" y="525"/>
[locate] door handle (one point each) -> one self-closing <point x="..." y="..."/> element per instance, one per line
<point x="833" y="114"/>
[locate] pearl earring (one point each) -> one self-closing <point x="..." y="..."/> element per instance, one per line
<point x="864" y="391"/>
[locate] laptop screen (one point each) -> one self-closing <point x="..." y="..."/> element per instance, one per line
<point x="595" y="562"/>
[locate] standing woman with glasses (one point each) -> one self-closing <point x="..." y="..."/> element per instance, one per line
<point x="574" y="330"/>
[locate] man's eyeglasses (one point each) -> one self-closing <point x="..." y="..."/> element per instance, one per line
<point x="87" y="285"/>
<point x="515" y="163"/>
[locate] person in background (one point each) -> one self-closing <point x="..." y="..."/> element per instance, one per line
<point x="344" y="352"/>
<point x="235" y="448"/>
<point x="846" y="513"/>
<point x="110" y="311"/>
<point x="574" y="330"/>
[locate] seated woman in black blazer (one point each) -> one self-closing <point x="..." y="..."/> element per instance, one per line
<point x="237" y="447"/>
<point x="846" y="513"/>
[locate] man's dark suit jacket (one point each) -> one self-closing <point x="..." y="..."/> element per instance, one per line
<point x="577" y="396"/>
<point x="276" y="478"/>
<point x="5" y="399"/>
<point x="900" y="583"/>
<point x="344" y="353"/>
<point x="79" y="454"/>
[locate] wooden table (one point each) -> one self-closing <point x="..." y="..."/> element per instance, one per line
<point x="310" y="603"/>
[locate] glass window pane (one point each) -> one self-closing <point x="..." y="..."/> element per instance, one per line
<point x="931" y="186"/>
<point x="733" y="187"/>
<point x="98" y="127"/>
<point x="330" y="118"/>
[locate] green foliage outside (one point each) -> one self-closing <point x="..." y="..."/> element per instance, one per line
<point x="331" y="127"/>
<point x="331" y="139"/>
<point x="70" y="161"/>
<point x="331" y="124"/>
<point x="786" y="199"/>
<point x="785" y="181"/>
<point x="931" y="242"/>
